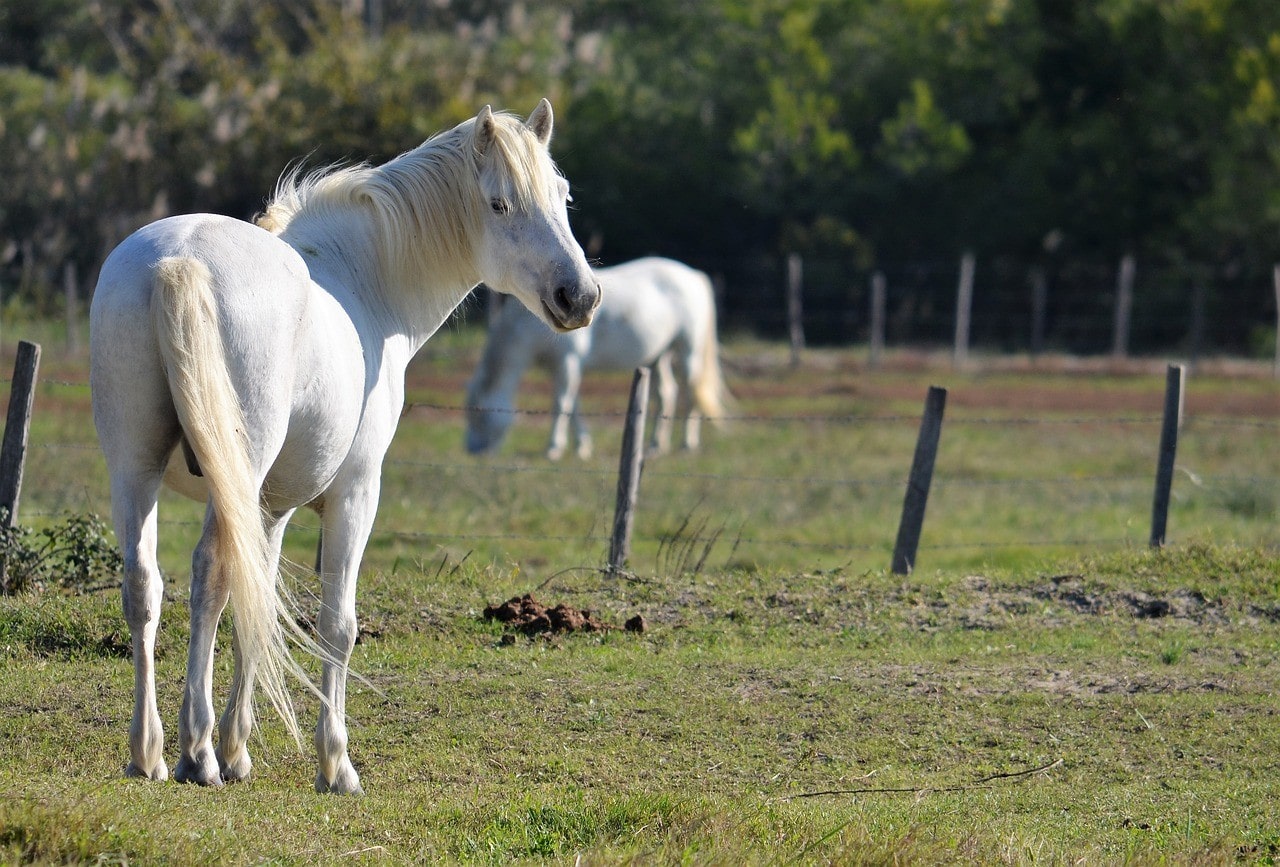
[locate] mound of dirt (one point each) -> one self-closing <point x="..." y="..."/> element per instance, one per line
<point x="528" y="615"/>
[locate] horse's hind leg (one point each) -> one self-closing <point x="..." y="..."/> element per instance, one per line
<point x="209" y="592"/>
<point x="142" y="591"/>
<point x="667" y="390"/>
<point x="689" y="371"/>
<point x="236" y="723"/>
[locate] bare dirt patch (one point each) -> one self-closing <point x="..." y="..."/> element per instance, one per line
<point x="1065" y="596"/>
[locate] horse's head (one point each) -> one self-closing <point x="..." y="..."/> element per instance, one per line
<point x="527" y="249"/>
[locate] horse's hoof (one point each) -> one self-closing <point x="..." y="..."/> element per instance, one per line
<point x="159" y="772"/>
<point x="237" y="771"/>
<point x="202" y="773"/>
<point x="345" y="782"/>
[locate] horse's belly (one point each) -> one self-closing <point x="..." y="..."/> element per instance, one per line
<point x="311" y="456"/>
<point x="623" y="351"/>
<point x="286" y="487"/>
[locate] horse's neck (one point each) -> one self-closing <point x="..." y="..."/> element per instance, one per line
<point x="387" y="307"/>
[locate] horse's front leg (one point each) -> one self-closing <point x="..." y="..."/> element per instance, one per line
<point x="209" y="592"/>
<point x="346" y="525"/>
<point x="586" y="448"/>
<point x="236" y="723"/>
<point x="568" y="379"/>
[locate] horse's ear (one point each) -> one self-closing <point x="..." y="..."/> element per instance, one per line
<point x="485" y="130"/>
<point x="541" y="120"/>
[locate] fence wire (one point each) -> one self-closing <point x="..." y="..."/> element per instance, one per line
<point x="1242" y="491"/>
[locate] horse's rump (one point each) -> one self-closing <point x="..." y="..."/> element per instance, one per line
<point x="213" y="428"/>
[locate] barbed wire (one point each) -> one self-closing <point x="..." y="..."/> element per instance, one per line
<point x="655" y="472"/>
<point x="940" y="479"/>
<point x="833" y="418"/>
<point x="696" y="539"/>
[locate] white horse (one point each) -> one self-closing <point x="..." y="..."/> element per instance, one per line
<point x="655" y="312"/>
<point x="272" y="356"/>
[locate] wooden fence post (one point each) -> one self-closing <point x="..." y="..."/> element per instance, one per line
<point x="795" y="319"/>
<point x="629" y="466"/>
<point x="1196" y="338"/>
<point x="1124" y="307"/>
<point x="71" y="302"/>
<point x="1275" y="282"/>
<point x="878" y="293"/>
<point x="1168" y="452"/>
<point x="13" y="450"/>
<point x="964" y="308"/>
<point x="1039" y="308"/>
<point x="917" y="496"/>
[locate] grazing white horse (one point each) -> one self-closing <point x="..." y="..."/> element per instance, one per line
<point x="263" y="366"/>
<point x="655" y="312"/>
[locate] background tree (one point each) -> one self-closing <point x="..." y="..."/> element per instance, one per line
<point x="1055" y="134"/>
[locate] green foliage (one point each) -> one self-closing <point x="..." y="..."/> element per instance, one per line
<point x="77" y="554"/>
<point x="868" y="131"/>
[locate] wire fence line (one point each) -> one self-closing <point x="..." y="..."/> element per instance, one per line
<point x="1119" y="486"/>
<point x="940" y="479"/>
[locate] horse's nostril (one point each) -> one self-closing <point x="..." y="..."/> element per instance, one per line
<point x="562" y="298"/>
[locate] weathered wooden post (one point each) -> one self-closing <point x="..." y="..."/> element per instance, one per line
<point x="964" y="308"/>
<point x="795" y="317"/>
<point x="1196" y="338"/>
<point x="1039" y="308"/>
<point x="1275" y="284"/>
<point x="630" y="464"/>
<point x="1124" y="307"/>
<point x="1169" y="426"/>
<point x="917" y="496"/>
<point x="13" y="450"/>
<point x="71" y="303"/>
<point x="878" y="293"/>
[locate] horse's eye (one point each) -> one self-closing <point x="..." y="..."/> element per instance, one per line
<point x="500" y="206"/>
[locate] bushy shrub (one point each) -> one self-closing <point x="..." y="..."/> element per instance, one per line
<point x="77" y="554"/>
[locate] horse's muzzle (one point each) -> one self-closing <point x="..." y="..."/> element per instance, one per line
<point x="572" y="306"/>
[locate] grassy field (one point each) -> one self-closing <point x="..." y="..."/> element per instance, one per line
<point x="1042" y="689"/>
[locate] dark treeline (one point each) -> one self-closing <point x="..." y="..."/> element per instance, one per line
<point x="1046" y="136"/>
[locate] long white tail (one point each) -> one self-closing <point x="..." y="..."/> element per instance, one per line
<point x="213" y="423"/>
<point x="709" y="391"/>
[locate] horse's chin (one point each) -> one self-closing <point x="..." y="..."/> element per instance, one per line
<point x="549" y="316"/>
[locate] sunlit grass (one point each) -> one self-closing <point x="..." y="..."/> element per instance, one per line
<point x="764" y="716"/>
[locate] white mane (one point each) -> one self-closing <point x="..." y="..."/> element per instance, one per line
<point x="421" y="208"/>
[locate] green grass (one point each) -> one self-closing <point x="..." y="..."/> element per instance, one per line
<point x="791" y="701"/>
<point x="714" y="735"/>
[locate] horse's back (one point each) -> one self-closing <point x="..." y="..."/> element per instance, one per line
<point x="649" y="305"/>
<point x="240" y="256"/>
